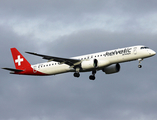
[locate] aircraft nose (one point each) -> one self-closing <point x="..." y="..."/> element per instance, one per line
<point x="153" y="52"/>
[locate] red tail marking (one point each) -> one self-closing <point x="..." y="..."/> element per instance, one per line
<point x="19" y="61"/>
<point x="22" y="64"/>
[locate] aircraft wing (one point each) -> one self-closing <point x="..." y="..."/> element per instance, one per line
<point x="70" y="62"/>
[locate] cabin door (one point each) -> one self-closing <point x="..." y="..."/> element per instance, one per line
<point x="135" y="50"/>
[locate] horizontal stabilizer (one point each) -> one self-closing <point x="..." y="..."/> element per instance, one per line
<point x="11" y="69"/>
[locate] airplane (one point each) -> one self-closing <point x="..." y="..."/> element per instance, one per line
<point x="107" y="61"/>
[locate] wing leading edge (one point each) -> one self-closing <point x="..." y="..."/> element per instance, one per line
<point x="70" y="62"/>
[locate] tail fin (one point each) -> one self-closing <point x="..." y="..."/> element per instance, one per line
<point x="19" y="61"/>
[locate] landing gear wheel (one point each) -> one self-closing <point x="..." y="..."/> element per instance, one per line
<point x="139" y="66"/>
<point x="92" y="77"/>
<point x="76" y="74"/>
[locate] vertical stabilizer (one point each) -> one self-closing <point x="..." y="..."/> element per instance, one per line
<point x="19" y="61"/>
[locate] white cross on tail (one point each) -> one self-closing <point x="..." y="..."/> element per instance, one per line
<point x="19" y="60"/>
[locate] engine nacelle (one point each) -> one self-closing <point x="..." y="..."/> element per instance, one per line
<point x="102" y="63"/>
<point x="94" y="63"/>
<point x="112" y="69"/>
<point x="88" y="64"/>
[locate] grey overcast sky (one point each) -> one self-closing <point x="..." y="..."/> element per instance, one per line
<point x="70" y="28"/>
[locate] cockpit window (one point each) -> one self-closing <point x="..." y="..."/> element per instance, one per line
<point x="144" y="47"/>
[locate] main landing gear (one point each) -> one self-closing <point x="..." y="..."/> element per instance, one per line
<point x="140" y="66"/>
<point x="92" y="77"/>
<point x="77" y="74"/>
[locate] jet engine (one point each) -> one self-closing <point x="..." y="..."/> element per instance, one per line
<point x="112" y="69"/>
<point x="88" y="64"/>
<point x="94" y="63"/>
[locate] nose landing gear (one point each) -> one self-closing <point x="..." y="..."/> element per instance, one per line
<point x="140" y="66"/>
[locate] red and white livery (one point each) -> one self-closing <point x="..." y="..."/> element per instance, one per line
<point x="107" y="61"/>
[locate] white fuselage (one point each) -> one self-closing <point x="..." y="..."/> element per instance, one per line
<point x="110" y="57"/>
